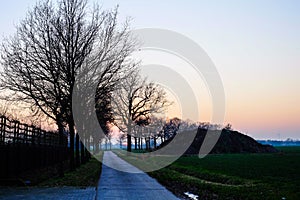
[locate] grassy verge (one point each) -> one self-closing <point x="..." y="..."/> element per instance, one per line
<point x="87" y="175"/>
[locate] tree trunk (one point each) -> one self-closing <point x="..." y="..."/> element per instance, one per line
<point x="135" y="143"/>
<point x="77" y="151"/>
<point x="82" y="152"/>
<point x="72" y="134"/>
<point x="149" y="145"/>
<point x="61" y="144"/>
<point x="139" y="142"/>
<point x="96" y="147"/>
<point x="129" y="139"/>
<point x="89" y="144"/>
<point x="88" y="149"/>
<point x="128" y="142"/>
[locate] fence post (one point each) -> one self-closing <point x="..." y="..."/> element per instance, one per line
<point x="38" y="133"/>
<point x="3" y="128"/>
<point x="25" y="133"/>
<point x="16" y="132"/>
<point x="26" y="147"/>
<point x="33" y="135"/>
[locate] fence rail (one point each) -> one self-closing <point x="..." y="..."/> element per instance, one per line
<point x="24" y="147"/>
<point x="14" y="132"/>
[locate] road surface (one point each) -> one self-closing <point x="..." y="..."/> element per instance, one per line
<point x="115" y="185"/>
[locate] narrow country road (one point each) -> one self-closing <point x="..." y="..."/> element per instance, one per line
<point x="115" y="185"/>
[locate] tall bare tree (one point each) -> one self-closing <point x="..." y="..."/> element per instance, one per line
<point x="156" y="126"/>
<point x="135" y="99"/>
<point x="51" y="45"/>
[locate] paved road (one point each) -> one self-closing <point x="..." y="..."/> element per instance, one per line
<point x="115" y="185"/>
<point x="62" y="193"/>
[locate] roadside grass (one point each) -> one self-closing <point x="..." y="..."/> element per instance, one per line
<point x="139" y="151"/>
<point x="233" y="176"/>
<point x="87" y="175"/>
<point x="144" y="161"/>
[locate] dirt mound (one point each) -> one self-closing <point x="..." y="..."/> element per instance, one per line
<point x="229" y="142"/>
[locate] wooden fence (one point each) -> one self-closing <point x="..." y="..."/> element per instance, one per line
<point x="24" y="147"/>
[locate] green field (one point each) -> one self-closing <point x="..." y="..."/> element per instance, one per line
<point x="235" y="176"/>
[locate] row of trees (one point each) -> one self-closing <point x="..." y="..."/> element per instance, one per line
<point x="41" y="61"/>
<point x="158" y="130"/>
<point x="152" y="132"/>
<point x="53" y="44"/>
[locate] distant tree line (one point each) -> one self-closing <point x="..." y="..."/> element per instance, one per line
<point x="287" y="142"/>
<point x="148" y="134"/>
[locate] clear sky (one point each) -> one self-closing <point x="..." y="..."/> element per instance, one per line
<point x="255" y="46"/>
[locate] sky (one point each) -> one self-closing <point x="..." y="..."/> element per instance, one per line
<point x="255" y="46"/>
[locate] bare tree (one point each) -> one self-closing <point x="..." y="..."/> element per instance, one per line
<point x="156" y="125"/>
<point x="110" y="135"/>
<point x="228" y="127"/>
<point x="135" y="99"/>
<point x="121" y="138"/>
<point x="51" y="45"/>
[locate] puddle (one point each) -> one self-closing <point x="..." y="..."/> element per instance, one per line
<point x="191" y="196"/>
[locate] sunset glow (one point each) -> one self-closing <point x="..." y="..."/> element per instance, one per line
<point x="254" y="45"/>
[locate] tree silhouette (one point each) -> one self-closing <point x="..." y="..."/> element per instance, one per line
<point x="135" y="101"/>
<point x="51" y="45"/>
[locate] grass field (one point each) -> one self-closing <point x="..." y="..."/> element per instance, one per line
<point x="235" y="176"/>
